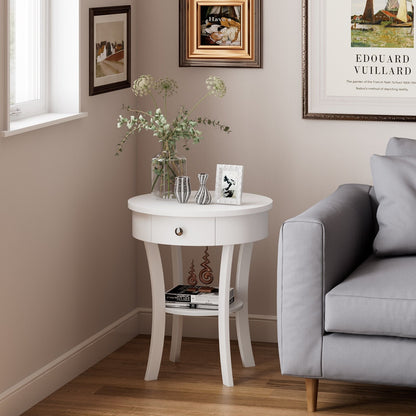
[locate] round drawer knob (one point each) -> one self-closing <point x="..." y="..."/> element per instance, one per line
<point x="178" y="231"/>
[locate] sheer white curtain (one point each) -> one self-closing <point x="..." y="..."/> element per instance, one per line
<point x="28" y="27"/>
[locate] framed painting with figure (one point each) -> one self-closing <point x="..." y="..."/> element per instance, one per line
<point x="109" y="49"/>
<point x="359" y="60"/>
<point x="220" y="33"/>
<point x="229" y="184"/>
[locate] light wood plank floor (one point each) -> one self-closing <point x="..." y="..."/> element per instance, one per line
<point x="115" y="387"/>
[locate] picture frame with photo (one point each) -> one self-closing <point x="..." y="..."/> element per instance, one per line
<point x="229" y="184"/>
<point x="220" y="33"/>
<point x="109" y="49"/>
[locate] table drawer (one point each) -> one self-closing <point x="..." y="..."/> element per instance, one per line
<point x="242" y="229"/>
<point x="183" y="231"/>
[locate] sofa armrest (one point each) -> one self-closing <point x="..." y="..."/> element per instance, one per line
<point x="317" y="250"/>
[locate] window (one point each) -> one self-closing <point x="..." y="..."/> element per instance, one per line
<point x="43" y="59"/>
<point x="27" y="59"/>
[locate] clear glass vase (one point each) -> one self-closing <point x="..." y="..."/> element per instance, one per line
<point x="166" y="166"/>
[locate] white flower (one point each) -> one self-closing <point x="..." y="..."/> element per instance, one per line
<point x="143" y="85"/>
<point x="216" y="86"/>
<point x="166" y="86"/>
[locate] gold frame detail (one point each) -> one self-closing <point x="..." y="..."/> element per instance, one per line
<point x="193" y="53"/>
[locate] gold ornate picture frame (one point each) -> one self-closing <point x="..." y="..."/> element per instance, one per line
<point x="220" y="33"/>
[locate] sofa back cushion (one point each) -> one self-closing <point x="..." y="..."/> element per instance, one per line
<point x="400" y="146"/>
<point x="394" y="180"/>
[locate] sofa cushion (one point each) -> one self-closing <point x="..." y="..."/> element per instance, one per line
<point x="400" y="146"/>
<point x="378" y="298"/>
<point x="395" y="187"/>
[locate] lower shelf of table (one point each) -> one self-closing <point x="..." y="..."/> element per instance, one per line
<point x="234" y="307"/>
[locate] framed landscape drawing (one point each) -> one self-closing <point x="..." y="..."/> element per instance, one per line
<point x="109" y="49"/>
<point x="359" y="60"/>
<point x="222" y="33"/>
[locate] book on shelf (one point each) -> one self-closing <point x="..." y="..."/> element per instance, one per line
<point x="197" y="295"/>
<point x="186" y="305"/>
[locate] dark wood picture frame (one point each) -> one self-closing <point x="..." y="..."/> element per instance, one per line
<point x="225" y="50"/>
<point x="345" y="107"/>
<point x="114" y="75"/>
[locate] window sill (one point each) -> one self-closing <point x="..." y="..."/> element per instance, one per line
<point x="39" y="122"/>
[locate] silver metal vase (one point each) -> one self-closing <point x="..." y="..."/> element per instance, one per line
<point x="203" y="196"/>
<point x="182" y="189"/>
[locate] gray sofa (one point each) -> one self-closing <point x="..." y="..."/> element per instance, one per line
<point x="347" y="282"/>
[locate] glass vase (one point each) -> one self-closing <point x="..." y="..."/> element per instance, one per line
<point x="166" y="166"/>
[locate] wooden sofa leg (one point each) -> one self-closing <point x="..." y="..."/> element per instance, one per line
<point x="311" y="393"/>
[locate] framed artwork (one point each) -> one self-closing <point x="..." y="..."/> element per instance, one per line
<point x="229" y="184"/>
<point x="109" y="49"/>
<point x="359" y="60"/>
<point x="221" y="33"/>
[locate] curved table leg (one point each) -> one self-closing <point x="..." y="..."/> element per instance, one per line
<point x="177" y="320"/>
<point x="158" y="311"/>
<point x="224" y="315"/>
<point x="241" y="317"/>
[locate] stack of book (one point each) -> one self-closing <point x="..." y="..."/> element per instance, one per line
<point x="197" y="297"/>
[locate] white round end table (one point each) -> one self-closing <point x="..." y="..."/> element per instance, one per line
<point x="159" y="221"/>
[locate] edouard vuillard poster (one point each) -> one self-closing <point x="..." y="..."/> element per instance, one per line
<point x="360" y="59"/>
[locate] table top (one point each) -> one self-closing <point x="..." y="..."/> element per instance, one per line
<point x="153" y="205"/>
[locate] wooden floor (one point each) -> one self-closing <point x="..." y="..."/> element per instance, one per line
<point x="115" y="387"/>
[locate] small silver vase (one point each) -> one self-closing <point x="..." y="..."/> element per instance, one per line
<point x="182" y="189"/>
<point x="203" y="196"/>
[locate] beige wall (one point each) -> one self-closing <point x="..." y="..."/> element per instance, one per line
<point x="294" y="161"/>
<point x="67" y="260"/>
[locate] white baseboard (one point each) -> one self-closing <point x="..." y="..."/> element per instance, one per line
<point x="263" y="328"/>
<point x="34" y="388"/>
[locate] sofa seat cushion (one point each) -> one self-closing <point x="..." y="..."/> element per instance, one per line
<point x="378" y="298"/>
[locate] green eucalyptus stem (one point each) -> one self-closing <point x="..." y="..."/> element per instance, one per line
<point x="154" y="100"/>
<point x="135" y="110"/>
<point x="123" y="141"/>
<point x="154" y="182"/>
<point x="170" y="168"/>
<point x="198" y="103"/>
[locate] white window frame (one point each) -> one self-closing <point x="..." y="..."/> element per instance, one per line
<point x="62" y="72"/>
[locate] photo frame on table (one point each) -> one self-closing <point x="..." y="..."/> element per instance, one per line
<point x="359" y="61"/>
<point x="220" y="33"/>
<point x="229" y="184"/>
<point x="109" y="48"/>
